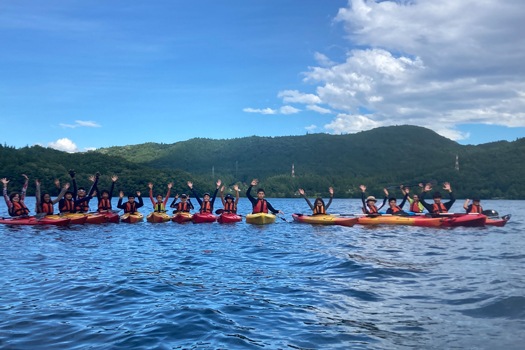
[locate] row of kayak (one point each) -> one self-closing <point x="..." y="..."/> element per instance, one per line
<point x="444" y="220"/>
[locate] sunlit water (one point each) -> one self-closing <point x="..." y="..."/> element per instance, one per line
<point x="286" y="285"/>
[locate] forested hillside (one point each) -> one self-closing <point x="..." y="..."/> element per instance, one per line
<point x="378" y="158"/>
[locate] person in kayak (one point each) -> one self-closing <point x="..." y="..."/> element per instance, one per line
<point x="475" y="207"/>
<point x="80" y="192"/>
<point x="44" y="203"/>
<point x="206" y="203"/>
<point x="260" y="205"/>
<point x="15" y="201"/>
<point x="415" y="204"/>
<point x="130" y="206"/>
<point x="68" y="205"/>
<point x="318" y="208"/>
<point x="395" y="209"/>
<point x="438" y="206"/>
<point x="369" y="204"/>
<point x="104" y="198"/>
<point x="159" y="205"/>
<point x="229" y="203"/>
<point x="184" y="206"/>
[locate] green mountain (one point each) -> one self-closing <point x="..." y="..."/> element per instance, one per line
<point x="381" y="157"/>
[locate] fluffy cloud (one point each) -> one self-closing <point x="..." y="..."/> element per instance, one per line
<point x="310" y="127"/>
<point x="81" y="123"/>
<point x="318" y="109"/>
<point x="259" y="110"/>
<point x="422" y="62"/>
<point x="64" y="144"/>
<point x="288" y="110"/>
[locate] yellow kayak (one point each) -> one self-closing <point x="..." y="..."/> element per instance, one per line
<point x="260" y="219"/>
<point x="158" y="217"/>
<point x="131" y="217"/>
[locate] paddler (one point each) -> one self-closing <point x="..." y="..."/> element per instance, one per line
<point x="184" y="206"/>
<point x="44" y="203"/>
<point x="395" y="209"/>
<point x="207" y="201"/>
<point x="475" y="207"/>
<point x="15" y="201"/>
<point x="104" y="198"/>
<point x="415" y="204"/>
<point x="130" y="206"/>
<point x="80" y="192"/>
<point x="438" y="206"/>
<point x="260" y="205"/>
<point x="318" y="208"/>
<point x="159" y="205"/>
<point x="229" y="203"/>
<point x="369" y="204"/>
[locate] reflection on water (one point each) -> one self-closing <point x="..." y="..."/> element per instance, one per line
<point x="287" y="285"/>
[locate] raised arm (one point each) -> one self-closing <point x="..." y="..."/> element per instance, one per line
<point x="331" y="191"/>
<point x="303" y="194"/>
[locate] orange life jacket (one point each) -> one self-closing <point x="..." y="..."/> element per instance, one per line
<point x="130" y="207"/>
<point x="82" y="207"/>
<point x="372" y="210"/>
<point x="47" y="207"/>
<point x="206" y="207"/>
<point x="183" y="206"/>
<point x="68" y="206"/>
<point x="439" y="208"/>
<point x="18" y="208"/>
<point x="319" y="209"/>
<point x="230" y="207"/>
<point x="260" y="207"/>
<point x="104" y="204"/>
<point x="414" y="207"/>
<point x="476" y="209"/>
<point x="395" y="209"/>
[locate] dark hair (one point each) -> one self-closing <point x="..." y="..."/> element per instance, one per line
<point x="131" y="196"/>
<point x="42" y="197"/>
<point x="392" y="199"/>
<point x="436" y="195"/>
<point x="104" y="191"/>
<point x="81" y="189"/>
<point x="13" y="194"/>
<point x="260" y="190"/>
<point x="183" y="196"/>
<point x="228" y="196"/>
<point x="319" y="199"/>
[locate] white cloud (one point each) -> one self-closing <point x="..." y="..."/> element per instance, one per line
<point x="63" y="144"/>
<point x="80" y="123"/>
<point x="288" y="110"/>
<point x="434" y="64"/>
<point x="311" y="127"/>
<point x="318" y="109"/>
<point x="259" y="110"/>
<point x="294" y="96"/>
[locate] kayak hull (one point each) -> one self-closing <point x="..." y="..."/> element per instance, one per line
<point x="499" y="222"/>
<point x="74" y="218"/>
<point x="325" y="219"/>
<point x="465" y="220"/>
<point x="181" y="218"/>
<point x="229" y="218"/>
<point x="201" y="218"/>
<point x="96" y="218"/>
<point x="31" y="220"/>
<point x="421" y="221"/>
<point x="156" y="217"/>
<point x="131" y="218"/>
<point x="260" y="219"/>
<point x="112" y="217"/>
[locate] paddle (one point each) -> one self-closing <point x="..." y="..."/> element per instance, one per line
<point x="282" y="218"/>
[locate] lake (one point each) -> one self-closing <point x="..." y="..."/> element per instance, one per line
<point x="281" y="286"/>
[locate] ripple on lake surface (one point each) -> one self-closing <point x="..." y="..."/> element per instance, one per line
<point x="286" y="285"/>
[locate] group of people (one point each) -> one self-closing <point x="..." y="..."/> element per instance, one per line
<point x="77" y="200"/>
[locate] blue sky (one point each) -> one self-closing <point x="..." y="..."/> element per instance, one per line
<point x="77" y="75"/>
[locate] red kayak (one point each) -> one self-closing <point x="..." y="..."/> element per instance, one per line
<point x="112" y="217"/>
<point x="228" y="218"/>
<point x="181" y="217"/>
<point x="200" y="218"/>
<point x="32" y="220"/>
<point x="496" y="221"/>
<point x="96" y="218"/>
<point x="467" y="220"/>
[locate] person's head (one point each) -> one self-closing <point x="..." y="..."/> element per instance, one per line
<point x="183" y="198"/>
<point x="105" y="194"/>
<point x="371" y="201"/>
<point x="415" y="198"/>
<point x="131" y="198"/>
<point x="437" y="197"/>
<point x="81" y="192"/>
<point x="14" y="197"/>
<point x="392" y="202"/>
<point x="319" y="202"/>
<point x="45" y="198"/>
<point x="260" y="193"/>
<point x="68" y="195"/>
<point x="206" y="197"/>
<point x="229" y="198"/>
<point x="159" y="198"/>
<point x="476" y="201"/>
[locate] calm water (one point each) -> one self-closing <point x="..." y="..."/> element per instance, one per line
<point x="283" y="286"/>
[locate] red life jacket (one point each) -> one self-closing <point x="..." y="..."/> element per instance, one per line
<point x="82" y="207"/>
<point x="47" y="207"/>
<point x="230" y="207"/>
<point x="414" y="207"/>
<point x="182" y="206"/>
<point x="260" y="207"/>
<point x="206" y="207"/>
<point x="439" y="208"/>
<point x="18" y="208"/>
<point x="476" y="209"/>
<point x="319" y="209"/>
<point x="372" y="210"/>
<point x="395" y="209"/>
<point x="130" y="207"/>
<point x="104" y="204"/>
<point x="68" y="206"/>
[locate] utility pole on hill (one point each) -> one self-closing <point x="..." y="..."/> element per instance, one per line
<point x="457" y="163"/>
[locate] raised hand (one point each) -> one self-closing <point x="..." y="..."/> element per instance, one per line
<point x="363" y="188"/>
<point x="331" y="191"/>
<point x="236" y="188"/>
<point x="254" y="182"/>
<point x="138" y="193"/>
<point x="219" y="182"/>
<point x="446" y="186"/>
<point x="91" y="178"/>
<point x="121" y="194"/>
<point x="177" y="196"/>
<point x="114" y="178"/>
<point x="222" y="189"/>
<point x="386" y="191"/>
<point x="150" y="185"/>
<point x="170" y="185"/>
<point x="57" y="182"/>
<point x="25" y="177"/>
<point x="5" y="181"/>
<point x="190" y="185"/>
<point x="301" y="192"/>
<point x="37" y="182"/>
<point x="66" y="186"/>
<point x="72" y="173"/>
<point x="427" y="187"/>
